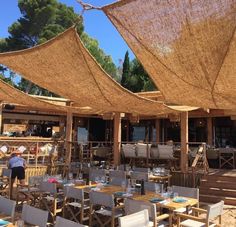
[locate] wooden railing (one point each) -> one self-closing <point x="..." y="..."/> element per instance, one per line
<point x="35" y="150"/>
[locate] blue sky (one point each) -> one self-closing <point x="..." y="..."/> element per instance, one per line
<point x="96" y="25"/>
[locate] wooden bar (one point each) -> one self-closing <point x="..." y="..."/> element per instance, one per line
<point x="209" y="131"/>
<point x="117" y="138"/>
<point x="184" y="142"/>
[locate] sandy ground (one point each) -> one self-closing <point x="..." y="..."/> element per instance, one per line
<point x="229" y="216"/>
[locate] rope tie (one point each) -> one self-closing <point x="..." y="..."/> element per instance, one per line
<point x="87" y="6"/>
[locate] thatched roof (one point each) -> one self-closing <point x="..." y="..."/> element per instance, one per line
<point x="13" y="95"/>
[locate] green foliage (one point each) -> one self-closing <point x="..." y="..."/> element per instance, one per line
<point x="126" y="71"/>
<point x="42" y="20"/>
<point x="134" y="77"/>
<point x="6" y="79"/>
<point x="104" y="60"/>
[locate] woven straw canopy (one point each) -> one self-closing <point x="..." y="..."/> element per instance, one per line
<point x="187" y="47"/>
<point x="13" y="95"/>
<point x="64" y="66"/>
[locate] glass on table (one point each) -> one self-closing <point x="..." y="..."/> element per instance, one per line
<point x="20" y="223"/>
<point x="176" y="194"/>
<point x="97" y="179"/>
<point x="123" y="185"/>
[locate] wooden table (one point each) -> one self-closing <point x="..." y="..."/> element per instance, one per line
<point x="171" y="206"/>
<point x="6" y="217"/>
<point x="160" y="179"/>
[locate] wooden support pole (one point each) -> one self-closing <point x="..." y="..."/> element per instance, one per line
<point x="117" y="139"/>
<point x="1" y="119"/>
<point x="62" y="127"/>
<point x="209" y="131"/>
<point x="69" y="122"/>
<point x="157" y="125"/>
<point x="184" y="142"/>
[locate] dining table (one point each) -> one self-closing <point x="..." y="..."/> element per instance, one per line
<point x="171" y="204"/>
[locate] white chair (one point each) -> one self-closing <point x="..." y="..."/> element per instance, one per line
<point x="185" y="192"/>
<point x="7" y="207"/>
<point x="75" y="204"/>
<point x="211" y="213"/>
<point x="135" y="220"/>
<point x="62" y="222"/>
<point x="117" y="177"/>
<point x="103" y="205"/>
<point x="133" y="206"/>
<point x="96" y="173"/>
<point x="34" y="216"/>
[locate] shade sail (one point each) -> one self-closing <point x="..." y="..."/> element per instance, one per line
<point x="64" y="66"/>
<point x="187" y="47"/>
<point x="13" y="95"/>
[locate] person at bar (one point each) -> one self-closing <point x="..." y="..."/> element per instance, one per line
<point x="17" y="164"/>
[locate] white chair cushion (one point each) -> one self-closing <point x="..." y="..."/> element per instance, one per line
<point x="165" y="151"/>
<point x="143" y="150"/>
<point x="192" y="223"/>
<point x="129" y="150"/>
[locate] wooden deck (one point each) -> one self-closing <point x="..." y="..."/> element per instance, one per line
<point x="219" y="185"/>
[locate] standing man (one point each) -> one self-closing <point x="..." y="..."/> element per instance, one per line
<point x="17" y="164"/>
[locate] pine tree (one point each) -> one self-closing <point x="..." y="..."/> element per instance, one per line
<point x="126" y="70"/>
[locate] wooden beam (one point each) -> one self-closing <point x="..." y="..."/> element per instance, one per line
<point x="157" y="126"/>
<point x="184" y="141"/>
<point x="117" y="138"/>
<point x="35" y="117"/>
<point x="209" y="131"/>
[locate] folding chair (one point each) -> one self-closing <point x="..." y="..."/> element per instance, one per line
<point x="75" y="204"/>
<point x="211" y="213"/>
<point x="7" y="207"/>
<point x="62" y="222"/>
<point x="153" y="187"/>
<point x="34" y="216"/>
<point x="133" y="206"/>
<point x="50" y="199"/>
<point x="116" y="177"/>
<point x="96" y="173"/>
<point x="136" y="219"/>
<point x="30" y="192"/>
<point x="102" y="205"/>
